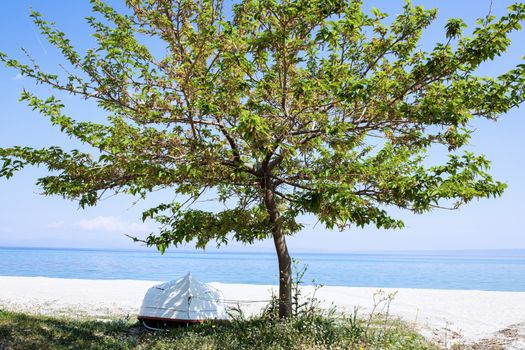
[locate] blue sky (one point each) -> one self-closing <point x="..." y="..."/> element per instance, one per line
<point x="28" y="219"/>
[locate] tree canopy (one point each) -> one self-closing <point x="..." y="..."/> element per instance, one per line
<point x="281" y="107"/>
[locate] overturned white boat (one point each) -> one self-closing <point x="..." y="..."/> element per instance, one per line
<point x="181" y="301"/>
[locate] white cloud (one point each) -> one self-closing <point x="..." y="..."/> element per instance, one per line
<point x="18" y="77"/>
<point x="56" y="224"/>
<point x="6" y="230"/>
<point x="111" y="224"/>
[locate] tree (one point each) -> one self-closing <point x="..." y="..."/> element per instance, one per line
<point x="280" y="107"/>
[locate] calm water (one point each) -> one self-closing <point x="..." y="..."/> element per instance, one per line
<point x="483" y="270"/>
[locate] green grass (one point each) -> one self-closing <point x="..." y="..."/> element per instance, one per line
<point x="309" y="331"/>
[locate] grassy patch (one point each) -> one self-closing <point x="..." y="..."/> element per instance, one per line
<point x="22" y="331"/>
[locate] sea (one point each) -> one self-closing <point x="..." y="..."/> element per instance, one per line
<point x="491" y="270"/>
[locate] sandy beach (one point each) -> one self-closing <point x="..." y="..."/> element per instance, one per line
<point x="447" y="316"/>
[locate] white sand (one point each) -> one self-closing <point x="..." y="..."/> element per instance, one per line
<point x="446" y="315"/>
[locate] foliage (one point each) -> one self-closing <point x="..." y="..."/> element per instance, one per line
<point x="21" y="331"/>
<point x="279" y="107"/>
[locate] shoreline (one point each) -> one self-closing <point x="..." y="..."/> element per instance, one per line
<point x="303" y="284"/>
<point x="460" y="315"/>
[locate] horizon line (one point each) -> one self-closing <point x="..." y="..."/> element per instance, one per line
<point x="261" y="251"/>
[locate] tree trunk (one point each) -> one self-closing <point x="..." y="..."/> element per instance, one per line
<point x="285" y="275"/>
<point x="285" y="262"/>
